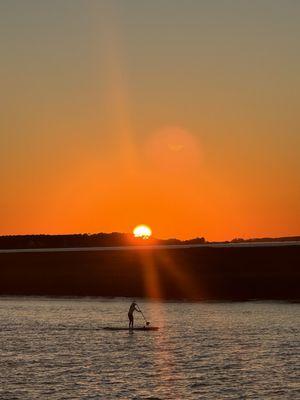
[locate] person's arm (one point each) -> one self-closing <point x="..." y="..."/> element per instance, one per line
<point x="137" y="309"/>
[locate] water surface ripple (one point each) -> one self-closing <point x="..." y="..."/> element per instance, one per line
<point x="56" y="349"/>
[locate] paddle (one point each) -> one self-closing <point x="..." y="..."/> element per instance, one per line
<point x="147" y="323"/>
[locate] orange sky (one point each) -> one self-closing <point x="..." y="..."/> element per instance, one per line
<point x="181" y="116"/>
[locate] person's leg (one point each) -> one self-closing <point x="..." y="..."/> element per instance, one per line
<point x="130" y="321"/>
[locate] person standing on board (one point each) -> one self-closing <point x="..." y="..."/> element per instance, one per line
<point x="132" y="308"/>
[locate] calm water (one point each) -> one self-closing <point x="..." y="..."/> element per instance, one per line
<point x="56" y="349"/>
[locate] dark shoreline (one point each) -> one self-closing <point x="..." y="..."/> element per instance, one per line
<point x="46" y="297"/>
<point x="118" y="239"/>
<point x="233" y="273"/>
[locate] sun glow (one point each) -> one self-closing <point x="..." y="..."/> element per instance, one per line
<point x="142" y="231"/>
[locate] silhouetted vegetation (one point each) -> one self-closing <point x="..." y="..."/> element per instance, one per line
<point x="267" y="239"/>
<point x="84" y="240"/>
<point x="108" y="239"/>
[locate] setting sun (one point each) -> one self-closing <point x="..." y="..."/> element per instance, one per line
<point x="142" y="231"/>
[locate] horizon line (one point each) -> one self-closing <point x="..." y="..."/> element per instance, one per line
<point x="150" y="247"/>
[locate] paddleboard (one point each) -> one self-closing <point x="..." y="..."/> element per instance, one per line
<point x="143" y="328"/>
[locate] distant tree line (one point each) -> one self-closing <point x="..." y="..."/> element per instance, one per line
<point x="108" y="239"/>
<point x="267" y="239"/>
<point x="84" y="240"/>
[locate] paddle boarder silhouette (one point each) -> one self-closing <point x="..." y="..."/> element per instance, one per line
<point x="132" y="308"/>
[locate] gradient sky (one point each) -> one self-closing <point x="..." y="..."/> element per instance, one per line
<point x="184" y="115"/>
